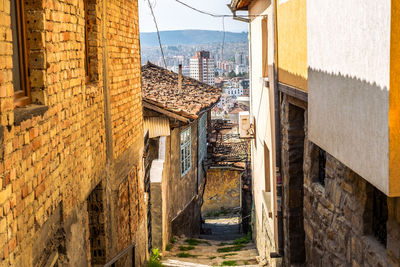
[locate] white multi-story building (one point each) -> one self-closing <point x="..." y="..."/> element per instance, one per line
<point x="202" y="67"/>
<point x="233" y="91"/>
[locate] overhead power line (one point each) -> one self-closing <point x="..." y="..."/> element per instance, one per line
<point x="158" y="33"/>
<point x="212" y="14"/>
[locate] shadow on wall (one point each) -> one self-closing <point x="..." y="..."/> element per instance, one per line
<point x="349" y="118"/>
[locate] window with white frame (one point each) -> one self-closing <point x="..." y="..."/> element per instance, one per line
<point x="186" y="151"/>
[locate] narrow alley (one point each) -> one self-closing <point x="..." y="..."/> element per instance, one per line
<point x="223" y="244"/>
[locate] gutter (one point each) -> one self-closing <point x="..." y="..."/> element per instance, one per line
<point x="235" y="17"/>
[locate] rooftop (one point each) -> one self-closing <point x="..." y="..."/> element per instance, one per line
<point x="160" y="88"/>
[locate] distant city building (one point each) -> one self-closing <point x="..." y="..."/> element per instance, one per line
<point x="186" y="71"/>
<point x="241" y="69"/>
<point x="240" y="58"/>
<point x="233" y="91"/>
<point x="202" y="67"/>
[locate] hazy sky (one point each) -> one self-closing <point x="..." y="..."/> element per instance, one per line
<point x="171" y="15"/>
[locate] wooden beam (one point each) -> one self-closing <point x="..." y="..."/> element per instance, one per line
<point x="165" y="112"/>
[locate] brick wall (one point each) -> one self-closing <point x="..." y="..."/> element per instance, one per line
<point x="55" y="152"/>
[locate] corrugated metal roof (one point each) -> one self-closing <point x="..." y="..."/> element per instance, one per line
<point x="156" y="126"/>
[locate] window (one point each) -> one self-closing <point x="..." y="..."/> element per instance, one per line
<point x="20" y="54"/>
<point x="264" y="29"/>
<point x="376" y="214"/>
<point x="202" y="150"/>
<point x="186" y="151"/>
<point x="321" y="166"/>
<point x="380" y="216"/>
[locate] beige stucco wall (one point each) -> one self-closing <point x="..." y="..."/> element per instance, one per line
<point x="262" y="109"/>
<point x="349" y="56"/>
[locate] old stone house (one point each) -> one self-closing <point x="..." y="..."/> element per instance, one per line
<point x="177" y="111"/>
<point x="71" y="142"/>
<point x="324" y="106"/>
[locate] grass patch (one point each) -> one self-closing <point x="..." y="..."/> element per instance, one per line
<point x="223" y="244"/>
<point x="195" y="242"/>
<point x="172" y="240"/>
<point x="228" y="254"/>
<point x="186" y="248"/>
<point x="229" y="263"/>
<point x="185" y="255"/>
<point x="168" y="247"/>
<point x="243" y="240"/>
<point x="230" y="249"/>
<point x="155" y="258"/>
<point x="245" y="263"/>
<point x="212" y="257"/>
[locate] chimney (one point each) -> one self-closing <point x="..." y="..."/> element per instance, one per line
<point x="180" y="79"/>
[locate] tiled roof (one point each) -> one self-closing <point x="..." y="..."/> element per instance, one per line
<point x="160" y="88"/>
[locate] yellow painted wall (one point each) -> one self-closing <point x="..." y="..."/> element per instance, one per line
<point x="292" y="43"/>
<point x="394" y="102"/>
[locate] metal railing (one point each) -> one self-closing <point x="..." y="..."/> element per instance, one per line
<point x="114" y="260"/>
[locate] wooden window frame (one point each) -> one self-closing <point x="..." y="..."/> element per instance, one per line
<point x="186" y="151"/>
<point x="86" y="17"/>
<point x="22" y="97"/>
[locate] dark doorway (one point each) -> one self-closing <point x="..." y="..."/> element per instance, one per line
<point x="293" y="153"/>
<point x="96" y="227"/>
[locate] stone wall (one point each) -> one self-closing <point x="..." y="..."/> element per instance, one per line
<point x="75" y="136"/>
<point x="222" y="190"/>
<point x="337" y="213"/>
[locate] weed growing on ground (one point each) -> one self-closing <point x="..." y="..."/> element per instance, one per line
<point x="185" y="255"/>
<point x="155" y="258"/>
<point x="169" y="247"/>
<point x="229" y="263"/>
<point x="186" y="248"/>
<point x="195" y="242"/>
<point x="223" y="244"/>
<point x="243" y="240"/>
<point x="173" y="240"/>
<point x="212" y="257"/>
<point x="245" y="263"/>
<point x="230" y="249"/>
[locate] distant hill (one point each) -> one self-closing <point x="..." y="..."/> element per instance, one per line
<point x="190" y="37"/>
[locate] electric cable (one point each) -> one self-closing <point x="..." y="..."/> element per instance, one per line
<point x="158" y="33"/>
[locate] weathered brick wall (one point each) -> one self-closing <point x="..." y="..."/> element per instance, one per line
<point x="54" y="154"/>
<point x="124" y="62"/>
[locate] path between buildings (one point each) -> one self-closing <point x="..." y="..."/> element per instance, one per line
<point x="223" y="245"/>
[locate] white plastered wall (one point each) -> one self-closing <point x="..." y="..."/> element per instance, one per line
<point x="261" y="105"/>
<point x="349" y="64"/>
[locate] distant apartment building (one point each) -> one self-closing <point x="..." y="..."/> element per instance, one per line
<point x="202" y="67"/>
<point x="226" y="66"/>
<point x="239" y="69"/>
<point x="233" y="91"/>
<point x="240" y="58"/>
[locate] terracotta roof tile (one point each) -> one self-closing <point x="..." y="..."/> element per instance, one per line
<point x="160" y="88"/>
